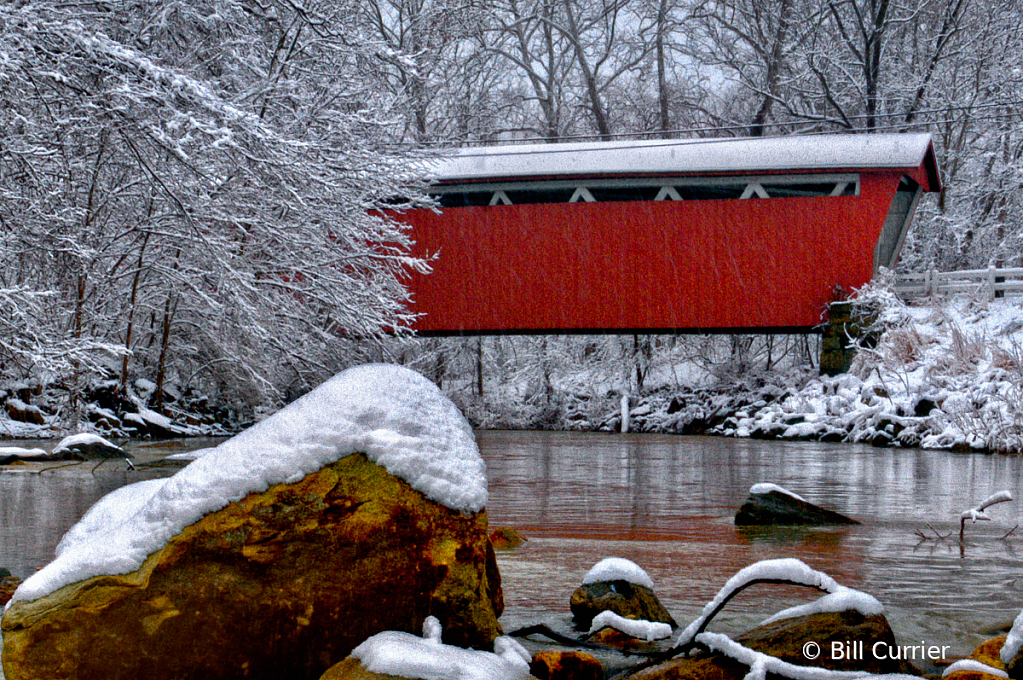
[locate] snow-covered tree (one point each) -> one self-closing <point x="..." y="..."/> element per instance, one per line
<point x="197" y="182"/>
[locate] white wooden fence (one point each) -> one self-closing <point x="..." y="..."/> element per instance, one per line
<point x="991" y="283"/>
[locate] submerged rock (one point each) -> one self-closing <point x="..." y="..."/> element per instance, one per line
<point x="768" y="504"/>
<point x="785" y="640"/>
<point x="283" y="583"/>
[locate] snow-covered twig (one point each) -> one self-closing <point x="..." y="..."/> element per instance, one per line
<point x="782" y="571"/>
<point x="977" y="514"/>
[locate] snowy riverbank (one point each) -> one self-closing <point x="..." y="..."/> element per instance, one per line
<point x="944" y="374"/>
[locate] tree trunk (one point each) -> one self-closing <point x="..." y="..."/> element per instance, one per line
<point x="131" y="314"/>
<point x="662" y="76"/>
<point x="773" y="74"/>
<point x="589" y="77"/>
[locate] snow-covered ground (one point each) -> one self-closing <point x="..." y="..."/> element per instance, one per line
<point x="944" y="374"/>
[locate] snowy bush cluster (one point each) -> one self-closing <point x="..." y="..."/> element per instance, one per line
<point x="947" y="375"/>
<point x="35" y="410"/>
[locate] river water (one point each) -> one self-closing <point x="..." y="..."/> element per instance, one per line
<point x="667" y="503"/>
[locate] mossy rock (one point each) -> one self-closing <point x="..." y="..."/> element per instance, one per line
<point x="281" y="584"/>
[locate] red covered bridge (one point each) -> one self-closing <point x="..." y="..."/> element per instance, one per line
<point x="671" y="236"/>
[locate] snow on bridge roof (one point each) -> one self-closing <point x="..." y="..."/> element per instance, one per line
<point x="687" y="157"/>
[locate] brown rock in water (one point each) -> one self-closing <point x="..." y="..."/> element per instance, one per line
<point x="626" y="599"/>
<point x="775" y="507"/>
<point x="785" y="639"/>
<point x="281" y="584"/>
<point x="506" y="538"/>
<point x="988" y="653"/>
<point x="550" y="664"/>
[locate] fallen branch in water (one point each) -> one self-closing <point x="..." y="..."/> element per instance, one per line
<point x="938" y="536"/>
<point x="977" y="514"/>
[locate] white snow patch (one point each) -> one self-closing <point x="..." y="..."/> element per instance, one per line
<point x="973" y="665"/>
<point x="761" y="664"/>
<point x="618" y="569"/>
<point x="114" y="509"/>
<point x="842" y="599"/>
<point x="398" y="418"/>
<point x="407" y="656"/>
<point x="639" y="629"/>
<point x="85" y="438"/>
<point x="23" y="453"/>
<point x="789" y="570"/>
<point x="978" y="514"/>
<point x="143" y="385"/>
<point x="767" y="487"/>
<point x="1013" y="641"/>
<point x="694" y="156"/>
<point x="151" y="417"/>
<point x="191" y="455"/>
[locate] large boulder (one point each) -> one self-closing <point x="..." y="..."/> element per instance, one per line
<point x="769" y="504"/>
<point x="285" y="580"/>
<point x="26" y="413"/>
<point x="315" y="566"/>
<point x="786" y="639"/>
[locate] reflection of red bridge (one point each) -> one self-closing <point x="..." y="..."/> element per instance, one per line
<point x="662" y="236"/>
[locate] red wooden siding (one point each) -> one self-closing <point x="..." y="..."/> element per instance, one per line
<point x="646" y="266"/>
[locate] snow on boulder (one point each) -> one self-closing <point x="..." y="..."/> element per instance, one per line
<point x="9" y="454"/>
<point x="1011" y="653"/>
<point x="398" y="654"/>
<point x="87" y="445"/>
<point x="770" y="504"/>
<point x="618" y="569"/>
<point x="785" y="570"/>
<point x="356" y="509"/>
<point x="26" y="413"/>
<point x="620" y="586"/>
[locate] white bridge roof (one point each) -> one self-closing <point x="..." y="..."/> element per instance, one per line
<point x="684" y="157"/>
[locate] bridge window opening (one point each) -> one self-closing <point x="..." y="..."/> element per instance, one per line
<point x="647" y="189"/>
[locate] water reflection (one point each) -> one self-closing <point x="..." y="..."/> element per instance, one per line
<point x="667" y="503"/>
